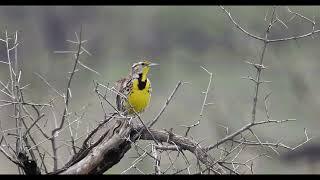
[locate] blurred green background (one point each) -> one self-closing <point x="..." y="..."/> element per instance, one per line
<point x="180" y="39"/>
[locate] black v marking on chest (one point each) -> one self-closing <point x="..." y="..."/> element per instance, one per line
<point x="141" y="84"/>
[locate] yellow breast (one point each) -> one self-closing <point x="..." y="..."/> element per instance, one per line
<point x="139" y="99"/>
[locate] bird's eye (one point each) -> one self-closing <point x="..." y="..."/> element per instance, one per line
<point x="143" y="64"/>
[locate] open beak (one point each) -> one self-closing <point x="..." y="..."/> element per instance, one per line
<point x="153" y="64"/>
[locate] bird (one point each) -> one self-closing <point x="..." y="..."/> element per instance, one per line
<point x="134" y="90"/>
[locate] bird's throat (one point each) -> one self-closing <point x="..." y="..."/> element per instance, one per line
<point x="142" y="81"/>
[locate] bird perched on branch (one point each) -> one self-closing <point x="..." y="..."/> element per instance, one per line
<point x="135" y="89"/>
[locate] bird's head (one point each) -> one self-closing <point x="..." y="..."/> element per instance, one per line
<point x="141" y="69"/>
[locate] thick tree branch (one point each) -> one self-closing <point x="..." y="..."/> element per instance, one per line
<point x="105" y="154"/>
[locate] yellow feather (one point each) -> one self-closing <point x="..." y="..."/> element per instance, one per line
<point x="145" y="71"/>
<point x="139" y="99"/>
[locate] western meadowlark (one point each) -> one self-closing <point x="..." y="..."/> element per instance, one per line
<point x="135" y="89"/>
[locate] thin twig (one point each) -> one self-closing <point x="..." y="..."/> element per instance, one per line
<point x="204" y="103"/>
<point x="67" y="98"/>
<point x="165" y="105"/>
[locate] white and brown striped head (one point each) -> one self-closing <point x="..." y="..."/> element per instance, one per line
<point x="141" y="69"/>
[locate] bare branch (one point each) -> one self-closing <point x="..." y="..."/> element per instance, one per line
<point x="66" y="102"/>
<point x="245" y="128"/>
<point x="44" y="80"/>
<point x="239" y="27"/>
<point x="165" y="105"/>
<point x="204" y="103"/>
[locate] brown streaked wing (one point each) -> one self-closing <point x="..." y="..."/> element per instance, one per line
<point x="123" y="86"/>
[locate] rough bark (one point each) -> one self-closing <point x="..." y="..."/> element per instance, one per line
<point x="107" y="153"/>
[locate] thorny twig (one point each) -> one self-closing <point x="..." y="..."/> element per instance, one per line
<point x="165" y="105"/>
<point x="204" y="103"/>
<point x="67" y="97"/>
